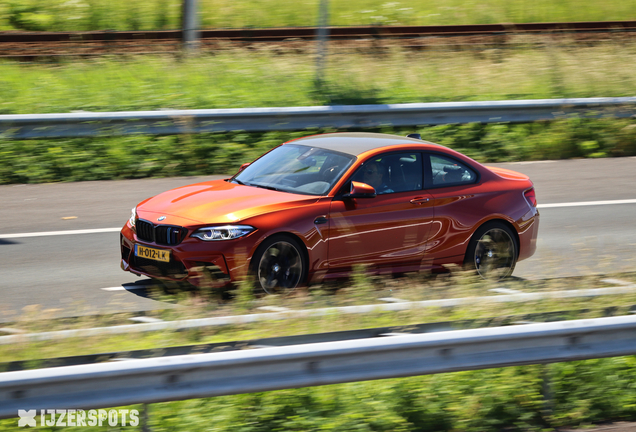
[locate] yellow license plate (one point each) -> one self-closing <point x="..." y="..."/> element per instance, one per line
<point x="152" y="253"/>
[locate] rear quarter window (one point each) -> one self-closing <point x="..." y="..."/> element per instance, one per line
<point x="446" y="171"/>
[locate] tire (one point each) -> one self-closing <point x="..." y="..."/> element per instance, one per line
<point x="492" y="251"/>
<point x="279" y="265"/>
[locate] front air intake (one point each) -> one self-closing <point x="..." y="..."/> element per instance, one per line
<point x="145" y="230"/>
<point x="168" y="235"/>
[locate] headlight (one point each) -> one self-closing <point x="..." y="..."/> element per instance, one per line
<point x="227" y="232"/>
<point x="133" y="216"/>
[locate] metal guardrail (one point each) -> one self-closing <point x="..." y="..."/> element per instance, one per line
<point x="310" y="338"/>
<point x="169" y="122"/>
<point x="309" y="313"/>
<point x="266" y="369"/>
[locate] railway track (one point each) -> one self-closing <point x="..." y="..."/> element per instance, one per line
<point x="28" y="46"/>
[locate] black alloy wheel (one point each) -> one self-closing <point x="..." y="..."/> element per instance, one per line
<point x="492" y="251"/>
<point x="280" y="265"/>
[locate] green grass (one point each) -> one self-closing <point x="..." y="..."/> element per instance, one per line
<point x="264" y="79"/>
<point x="245" y="78"/>
<point x="491" y="400"/>
<point x="80" y="15"/>
<point x="511" y="399"/>
<point x="362" y="289"/>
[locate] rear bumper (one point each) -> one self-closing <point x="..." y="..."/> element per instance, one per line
<point x="528" y="233"/>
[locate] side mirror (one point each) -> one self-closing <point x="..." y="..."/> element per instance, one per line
<point x="245" y="165"/>
<point x="360" y="190"/>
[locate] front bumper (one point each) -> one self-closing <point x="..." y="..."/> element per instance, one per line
<point x="200" y="263"/>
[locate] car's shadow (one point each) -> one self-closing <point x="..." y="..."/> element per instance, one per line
<point x="142" y="288"/>
<point x="516" y="279"/>
<point x="156" y="289"/>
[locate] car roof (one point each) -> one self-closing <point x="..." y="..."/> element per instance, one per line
<point x="356" y="143"/>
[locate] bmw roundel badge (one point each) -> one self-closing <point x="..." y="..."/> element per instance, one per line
<point x="161" y="218"/>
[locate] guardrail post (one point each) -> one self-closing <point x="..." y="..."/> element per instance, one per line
<point x="190" y="26"/>
<point x="322" y="37"/>
<point x="145" y="427"/>
<point x="548" y="397"/>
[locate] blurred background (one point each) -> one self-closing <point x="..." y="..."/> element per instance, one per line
<point x="91" y="15"/>
<point x="82" y="56"/>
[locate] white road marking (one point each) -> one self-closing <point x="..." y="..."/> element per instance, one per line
<point x="57" y="233"/>
<point x="107" y="230"/>
<point x="587" y="203"/>
<point x="122" y="288"/>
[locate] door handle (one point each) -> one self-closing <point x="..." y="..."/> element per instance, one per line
<point x="420" y="200"/>
<point x="320" y="220"/>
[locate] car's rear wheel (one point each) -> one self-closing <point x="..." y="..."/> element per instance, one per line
<point x="492" y="251"/>
<point x="279" y="265"/>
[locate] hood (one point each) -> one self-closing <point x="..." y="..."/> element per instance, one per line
<point x="508" y="174"/>
<point x="216" y="202"/>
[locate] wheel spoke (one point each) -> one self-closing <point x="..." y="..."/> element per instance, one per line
<point x="495" y="254"/>
<point x="284" y="249"/>
<point x="280" y="268"/>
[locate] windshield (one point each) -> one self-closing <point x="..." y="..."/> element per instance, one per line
<point x="297" y="169"/>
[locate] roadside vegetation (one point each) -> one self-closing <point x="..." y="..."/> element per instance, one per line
<point x="240" y="79"/>
<point x="361" y="289"/>
<point x="511" y="399"/>
<point x="83" y="15"/>
<point x="515" y="399"/>
<point x="265" y="77"/>
<point x="83" y="159"/>
<point x="481" y="401"/>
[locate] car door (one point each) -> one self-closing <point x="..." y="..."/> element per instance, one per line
<point x="454" y="188"/>
<point x="389" y="230"/>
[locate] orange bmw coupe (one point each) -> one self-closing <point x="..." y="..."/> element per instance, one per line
<point x="315" y="207"/>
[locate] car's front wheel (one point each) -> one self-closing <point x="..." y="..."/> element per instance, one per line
<point x="492" y="251"/>
<point x="279" y="265"/>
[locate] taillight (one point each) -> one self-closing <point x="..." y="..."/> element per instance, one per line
<point x="531" y="197"/>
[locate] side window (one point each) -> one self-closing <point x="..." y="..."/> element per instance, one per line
<point x="393" y="172"/>
<point x="447" y="171"/>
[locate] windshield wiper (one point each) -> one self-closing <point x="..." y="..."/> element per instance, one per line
<point x="264" y="187"/>
<point x="256" y="185"/>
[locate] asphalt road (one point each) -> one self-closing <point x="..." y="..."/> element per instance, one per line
<point x="79" y="274"/>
